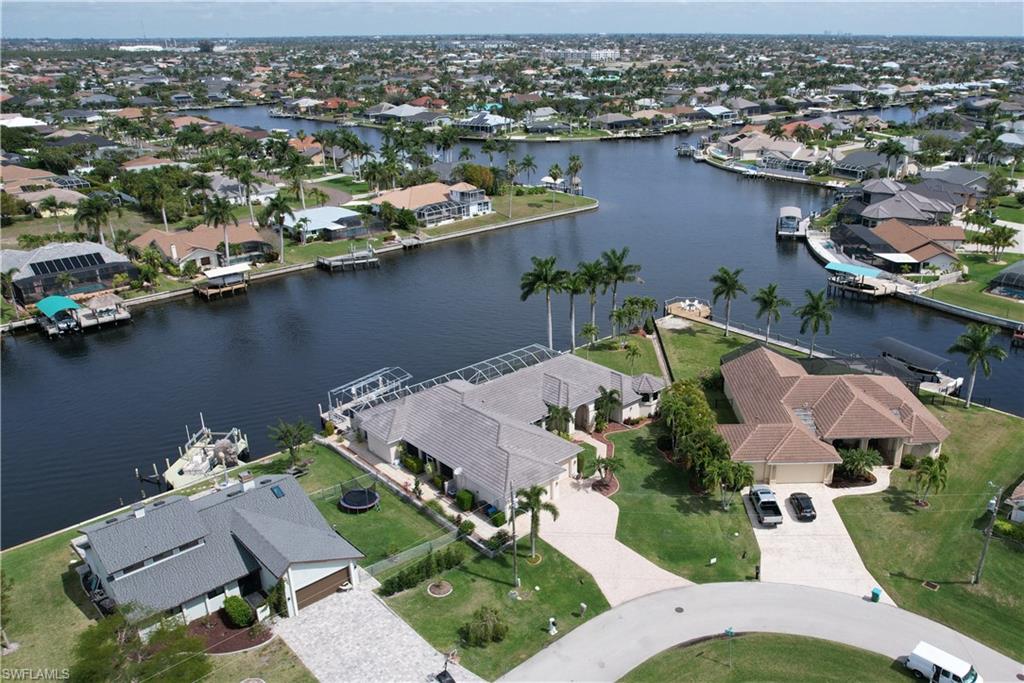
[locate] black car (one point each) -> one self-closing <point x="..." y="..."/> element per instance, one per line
<point x="802" y="506"/>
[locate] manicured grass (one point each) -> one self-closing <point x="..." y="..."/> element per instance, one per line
<point x="1009" y="209"/>
<point x="972" y="294"/>
<point x="482" y="581"/>
<point x="526" y="206"/>
<point x="304" y="253"/>
<point x="766" y="657"/>
<point x="609" y="353"/>
<point x="662" y="519"/>
<point x="589" y="459"/>
<point x="981" y="269"/>
<point x="903" y="545"/>
<point x="348" y="184"/>
<point x="275" y="662"/>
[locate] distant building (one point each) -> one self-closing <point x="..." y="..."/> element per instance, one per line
<point x="66" y="268"/>
<point x="327" y="223"/>
<point x="486" y="123"/>
<point x="435" y="203"/>
<point x="204" y="244"/>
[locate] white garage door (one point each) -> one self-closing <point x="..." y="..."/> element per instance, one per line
<point x="800" y="474"/>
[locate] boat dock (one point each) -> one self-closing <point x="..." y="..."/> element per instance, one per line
<point x="205" y="453"/>
<point x="859" y="282"/>
<point x="791" y="224"/>
<point x="689" y="308"/>
<point x="60" y="315"/>
<point x="224" y="280"/>
<point x="355" y="260"/>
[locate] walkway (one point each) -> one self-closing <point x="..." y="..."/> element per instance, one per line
<point x="610" y="645"/>
<point x="356" y="637"/>
<point x="818" y="554"/>
<point x="585" y="533"/>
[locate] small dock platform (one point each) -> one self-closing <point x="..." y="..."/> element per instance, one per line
<point x="791" y="224"/>
<point x="689" y="308"/>
<point x="686" y="150"/>
<point x="223" y="281"/>
<point x="356" y="260"/>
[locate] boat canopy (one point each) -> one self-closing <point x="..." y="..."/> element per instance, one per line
<point x="897" y="258"/>
<point x="850" y="269"/>
<point x="223" y="271"/>
<point x="790" y="212"/>
<point x="52" y="305"/>
<point x="910" y="354"/>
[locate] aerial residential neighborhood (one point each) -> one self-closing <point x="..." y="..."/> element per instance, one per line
<point x="435" y="341"/>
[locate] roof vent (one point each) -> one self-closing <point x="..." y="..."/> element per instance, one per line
<point x="159" y="503"/>
<point x="111" y="520"/>
<point x="265" y="481"/>
<point x="232" y="494"/>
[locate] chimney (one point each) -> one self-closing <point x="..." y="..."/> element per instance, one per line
<point x="248" y="483"/>
<point x="139" y="511"/>
<point x="174" y="252"/>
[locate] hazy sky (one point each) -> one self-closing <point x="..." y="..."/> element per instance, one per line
<point x="106" y="19"/>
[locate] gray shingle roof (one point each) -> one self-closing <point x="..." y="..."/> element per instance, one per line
<point x="126" y="539"/>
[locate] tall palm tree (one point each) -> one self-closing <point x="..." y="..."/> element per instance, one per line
<point x="158" y="189"/>
<point x="621" y="318"/>
<point x="976" y="343"/>
<point x="530" y="501"/>
<point x="617" y="271"/>
<point x="573" y="285"/>
<point x="247" y="182"/>
<point x="545" y="277"/>
<point x="7" y="286"/>
<point x="931" y="474"/>
<point x="727" y="286"/>
<point x="512" y="170"/>
<point x="466" y="154"/>
<point x="219" y="214"/>
<point x="769" y="305"/>
<point x="632" y="355"/>
<point x="594" y="277"/>
<point x="528" y="166"/>
<point x="589" y="332"/>
<point x="574" y="167"/>
<point x="555" y="172"/>
<point x="815" y="314"/>
<point x="92" y="212"/>
<point x="891" y="149"/>
<point x="275" y="210"/>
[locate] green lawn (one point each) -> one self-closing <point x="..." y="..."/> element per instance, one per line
<point x="972" y="294"/>
<point x="767" y="657"/>
<point x="275" y="662"/>
<point x="589" y="457"/>
<point x="662" y="519"/>
<point x="7" y="312"/>
<point x="305" y="253"/>
<point x="526" y="206"/>
<point x="610" y="354"/>
<point x="903" y="545"/>
<point x="1009" y="209"/>
<point x="348" y="184"/>
<point x="483" y="581"/>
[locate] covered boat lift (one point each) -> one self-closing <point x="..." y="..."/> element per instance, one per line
<point x="224" y="280"/>
<point x="858" y="281"/>
<point x="914" y="365"/>
<point x="58" y="315"/>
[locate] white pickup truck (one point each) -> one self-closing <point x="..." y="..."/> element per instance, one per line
<point x="766" y="506"/>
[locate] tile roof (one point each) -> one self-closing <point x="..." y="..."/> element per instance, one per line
<point x="418" y="196"/>
<point x="200" y="237"/>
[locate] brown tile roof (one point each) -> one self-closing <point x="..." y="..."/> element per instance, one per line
<point x="201" y="237"/>
<point x="147" y="161"/>
<point x="776" y="443"/>
<point x="19" y="174"/>
<point x="917" y="242"/>
<point x="419" y="195"/>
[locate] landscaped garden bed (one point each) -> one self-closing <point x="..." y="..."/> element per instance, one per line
<point x="220" y="636"/>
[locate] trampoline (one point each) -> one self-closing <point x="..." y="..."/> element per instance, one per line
<point x="357" y="500"/>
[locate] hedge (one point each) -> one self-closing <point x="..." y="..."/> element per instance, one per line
<point x="428" y="567"/>
<point x="239" y="612"/>
<point x="1010" y="530"/>
<point x="464" y="499"/>
<point x="414" y="465"/>
<point x="498" y="518"/>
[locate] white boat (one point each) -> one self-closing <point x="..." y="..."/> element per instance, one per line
<point x="206" y="454"/>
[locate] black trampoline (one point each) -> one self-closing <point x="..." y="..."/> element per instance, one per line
<point x="358" y="500"/>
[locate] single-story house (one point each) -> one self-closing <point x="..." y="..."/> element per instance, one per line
<point x="486" y="437"/>
<point x="961" y="175"/>
<point x="78" y="115"/>
<point x="909" y="207"/>
<point x="204" y="244"/>
<point x="893" y="245"/>
<point x="146" y="162"/>
<point x="435" y="203"/>
<point x="1016" y="502"/>
<point x="792" y="424"/>
<point x="717" y="112"/>
<point x="486" y="122"/>
<point x="16" y="179"/>
<point x="183" y="557"/>
<point x="69" y="198"/>
<point x="614" y="121"/>
<point x="860" y="164"/>
<point x="229" y="189"/>
<point x="328" y="223"/>
<point x="38" y="272"/>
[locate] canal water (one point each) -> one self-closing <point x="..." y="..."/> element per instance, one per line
<point x="80" y="414"/>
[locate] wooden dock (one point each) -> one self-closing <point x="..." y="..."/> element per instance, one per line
<point x="212" y="291"/>
<point x="864" y="288"/>
<point x="357" y="260"/>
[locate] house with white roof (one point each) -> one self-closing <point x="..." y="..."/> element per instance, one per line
<point x="327" y="223"/>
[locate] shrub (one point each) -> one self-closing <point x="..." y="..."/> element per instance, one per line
<point x="466" y="527"/>
<point x="485" y="626"/>
<point x="239" y="612"/>
<point x="908" y="462"/>
<point x="664" y="443"/>
<point x="1009" y="530"/>
<point x="464" y="499"/>
<point x="276" y="599"/>
<point x="498" y="518"/>
<point x="649" y="325"/>
<point x="435" y="505"/>
<point x="426" y="568"/>
<point x="414" y="465"/>
<point x="498" y="540"/>
<point x="438" y="482"/>
<point x="600" y="424"/>
<point x="328" y="429"/>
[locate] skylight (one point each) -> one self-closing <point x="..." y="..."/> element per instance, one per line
<point x="277" y="491"/>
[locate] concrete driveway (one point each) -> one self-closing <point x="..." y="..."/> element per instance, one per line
<point x="585" y="533"/>
<point x="821" y="553"/>
<point x="356" y="637"/>
<point x="612" y="644"/>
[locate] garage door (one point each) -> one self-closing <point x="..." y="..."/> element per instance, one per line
<point x="319" y="590"/>
<point x="800" y="474"/>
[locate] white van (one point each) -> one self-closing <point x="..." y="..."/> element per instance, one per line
<point x="931" y="663"/>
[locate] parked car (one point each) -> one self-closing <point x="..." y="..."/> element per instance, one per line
<point x="802" y="506"/>
<point x="933" y="664"/>
<point x="765" y="505"/>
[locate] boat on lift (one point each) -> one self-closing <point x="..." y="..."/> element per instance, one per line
<point x="206" y="454"/>
<point x="914" y="365"/>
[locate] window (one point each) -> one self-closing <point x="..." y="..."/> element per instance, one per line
<point x="215" y="592"/>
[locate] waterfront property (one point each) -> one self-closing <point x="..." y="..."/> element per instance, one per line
<point x="328" y="223"/>
<point x="65" y="267"/>
<point x="487" y="437"/>
<point x="230" y="189"/>
<point x="437" y="203"/>
<point x="184" y="556"/>
<point x="486" y="123"/>
<point x="1009" y="282"/>
<point x="792" y="424"/>
<point x="204" y="244"/>
<point x="896" y="246"/>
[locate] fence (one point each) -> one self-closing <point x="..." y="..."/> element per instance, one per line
<point x="944" y="399"/>
<point x="409" y="554"/>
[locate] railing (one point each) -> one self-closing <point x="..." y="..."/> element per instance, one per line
<point x="405" y="556"/>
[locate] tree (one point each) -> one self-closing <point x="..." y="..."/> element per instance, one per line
<point x="511" y="170"/>
<point x="891" y="149"/>
<point x="573" y="285"/>
<point x="295" y="174"/>
<point x="6" y="586"/>
<point x="574" y="167"/>
<point x="632" y="355"/>
<point x="555" y="173"/>
<point x="621" y="318"/>
<point x="219" y="214"/>
<point x="93" y="212"/>
<point x="528" y="166"/>
<point x="607" y="402"/>
<point x="275" y="211"/>
<point x="65" y="281"/>
<point x="530" y="501"/>
<point x="727" y="286"/>
<point x="609" y="465"/>
<point x="617" y="271"/>
<point x="466" y="154"/>
<point x="976" y="343"/>
<point x="589" y="332"/>
<point x="559" y="418"/>
<point x="769" y="305"/>
<point x="545" y="277"/>
<point x="931" y="474"/>
<point x="815" y="314"/>
<point x="774" y="129"/>
<point x="291" y="435"/>
<point x="857" y="462"/>
<point x="594" y="277"/>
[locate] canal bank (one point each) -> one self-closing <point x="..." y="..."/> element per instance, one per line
<point x="79" y="414"/>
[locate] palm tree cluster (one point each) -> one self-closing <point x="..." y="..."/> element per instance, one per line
<point x="815" y="314"/>
<point x="590" y="278"/>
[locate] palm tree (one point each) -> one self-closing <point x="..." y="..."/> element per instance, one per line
<point x="815" y="314"/>
<point x="247" y="182"/>
<point x="621" y="318"/>
<point x="528" y="166"/>
<point x="574" y="168"/>
<point x="545" y="277"/>
<point x="275" y="210"/>
<point x="931" y="474"/>
<point x="727" y="286"/>
<point x="512" y="170"/>
<point x="158" y="189"/>
<point x="65" y="281"/>
<point x="530" y="501"/>
<point x="976" y="344"/>
<point x="632" y="355"/>
<point x="607" y="402"/>
<point x="555" y="172"/>
<point x="589" y="332"/>
<point x="891" y="149"/>
<point x="51" y="205"/>
<point x="617" y="271"/>
<point x="558" y="419"/>
<point x="769" y="304"/>
<point x="608" y="466"/>
<point x="219" y="214"/>
<point x="466" y="154"/>
<point x="291" y="435"/>
<point x="594" y="277"/>
<point x="295" y="174"/>
<point x="92" y="212"/>
<point x="573" y="285"/>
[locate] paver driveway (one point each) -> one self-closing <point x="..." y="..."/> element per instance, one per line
<point x="585" y="533"/>
<point x="356" y="637"/>
<point x="821" y="553"/>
